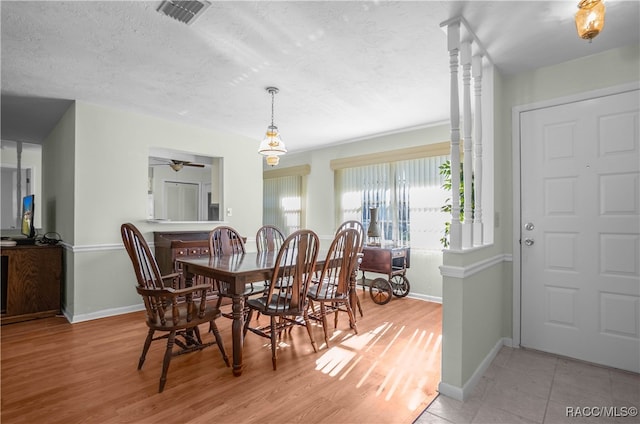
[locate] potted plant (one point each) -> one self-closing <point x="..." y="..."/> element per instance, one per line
<point x="445" y="170"/>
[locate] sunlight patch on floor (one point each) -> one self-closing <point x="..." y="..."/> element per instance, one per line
<point x="410" y="384"/>
<point x="366" y="375"/>
<point x="421" y="350"/>
<point x="353" y="365"/>
<point x="359" y="341"/>
<point x="336" y="334"/>
<point x="334" y="360"/>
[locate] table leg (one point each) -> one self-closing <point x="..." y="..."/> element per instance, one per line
<point x="237" y="332"/>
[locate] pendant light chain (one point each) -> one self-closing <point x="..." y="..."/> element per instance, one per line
<point x="273" y="96"/>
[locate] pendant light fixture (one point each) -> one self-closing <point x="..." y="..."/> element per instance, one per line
<point x="272" y="146"/>
<point x="590" y="18"/>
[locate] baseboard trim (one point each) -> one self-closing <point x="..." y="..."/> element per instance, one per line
<point x="463" y="393"/>
<point x="425" y="297"/>
<point x="102" y="314"/>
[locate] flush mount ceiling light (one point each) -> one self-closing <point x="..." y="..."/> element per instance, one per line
<point x="184" y="11"/>
<point x="590" y="18"/>
<point x="272" y="146"/>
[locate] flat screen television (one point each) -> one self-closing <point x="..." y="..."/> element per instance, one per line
<point x="27" y="228"/>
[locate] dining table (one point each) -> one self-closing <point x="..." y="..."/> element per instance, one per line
<point x="238" y="270"/>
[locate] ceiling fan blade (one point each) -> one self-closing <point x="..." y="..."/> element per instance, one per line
<point x="177" y="165"/>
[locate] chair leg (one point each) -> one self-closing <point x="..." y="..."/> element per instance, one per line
<point x="307" y="323"/>
<point x="247" y="321"/>
<point x="145" y="348"/>
<point x="352" y="318"/>
<point x="274" y="341"/>
<point x="196" y="332"/>
<point x="216" y="334"/>
<point x="167" y="360"/>
<point x="218" y="303"/>
<point x="359" y="307"/>
<point x="323" y="314"/>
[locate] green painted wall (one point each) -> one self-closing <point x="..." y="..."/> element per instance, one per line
<point x="97" y="176"/>
<point x="58" y="157"/>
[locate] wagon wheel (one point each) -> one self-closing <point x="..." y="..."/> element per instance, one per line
<point x="380" y="291"/>
<point x="400" y="285"/>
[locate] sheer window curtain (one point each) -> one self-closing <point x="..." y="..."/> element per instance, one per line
<point x="283" y="200"/>
<point x="408" y="194"/>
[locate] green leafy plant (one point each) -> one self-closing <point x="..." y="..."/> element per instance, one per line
<point x="445" y="170"/>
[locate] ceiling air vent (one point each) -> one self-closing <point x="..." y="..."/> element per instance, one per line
<point x="184" y="11"/>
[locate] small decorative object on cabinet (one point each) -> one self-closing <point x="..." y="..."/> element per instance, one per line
<point x="373" y="232"/>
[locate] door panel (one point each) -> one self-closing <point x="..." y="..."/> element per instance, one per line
<point x="580" y="188"/>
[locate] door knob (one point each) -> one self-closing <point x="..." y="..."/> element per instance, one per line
<point x="528" y="241"/>
<point x="529" y="226"/>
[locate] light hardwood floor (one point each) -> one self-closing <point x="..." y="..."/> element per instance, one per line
<point x="56" y="372"/>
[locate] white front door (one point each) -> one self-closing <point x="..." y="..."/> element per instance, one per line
<point x="580" y="235"/>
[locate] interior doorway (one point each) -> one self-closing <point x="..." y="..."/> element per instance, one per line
<point x="10" y="213"/>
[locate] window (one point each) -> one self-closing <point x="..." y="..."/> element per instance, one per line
<point x="284" y="198"/>
<point x="407" y="193"/>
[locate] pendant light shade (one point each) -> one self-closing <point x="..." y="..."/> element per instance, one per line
<point x="272" y="145"/>
<point x="590" y="18"/>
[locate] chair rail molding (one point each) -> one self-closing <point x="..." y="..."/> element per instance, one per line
<point x="469" y="270"/>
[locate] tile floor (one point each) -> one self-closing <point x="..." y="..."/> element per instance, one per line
<point x="525" y="386"/>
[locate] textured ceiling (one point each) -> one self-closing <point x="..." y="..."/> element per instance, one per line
<point x="345" y="69"/>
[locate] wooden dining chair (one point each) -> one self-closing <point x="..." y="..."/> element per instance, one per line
<point x="285" y="302"/>
<point x="269" y="238"/>
<point x="357" y="225"/>
<point x="174" y="312"/>
<point x="225" y="240"/>
<point x="329" y="293"/>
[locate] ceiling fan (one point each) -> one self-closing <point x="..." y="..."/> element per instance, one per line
<point x="175" y="164"/>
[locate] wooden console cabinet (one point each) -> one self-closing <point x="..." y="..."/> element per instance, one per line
<point x="171" y="245"/>
<point x="385" y="260"/>
<point x="31" y="280"/>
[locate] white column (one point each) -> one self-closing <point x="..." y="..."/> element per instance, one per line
<point x="477" y="217"/>
<point x="467" y="225"/>
<point x="453" y="46"/>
